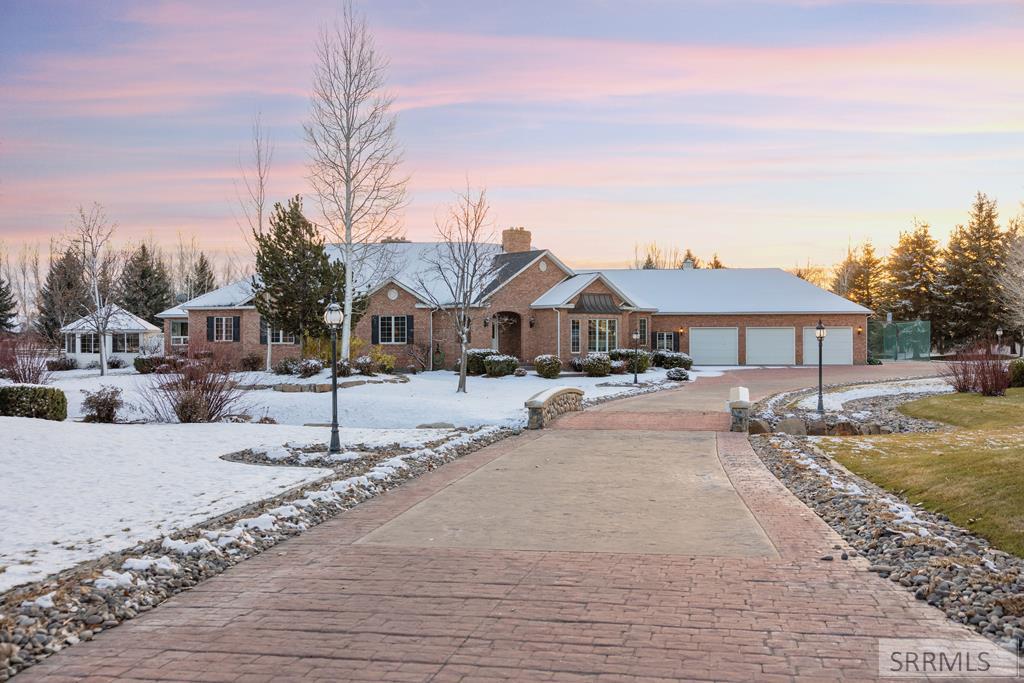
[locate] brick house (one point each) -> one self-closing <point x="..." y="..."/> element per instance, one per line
<point x="536" y="304"/>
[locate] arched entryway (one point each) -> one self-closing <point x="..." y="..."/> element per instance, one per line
<point x="507" y="333"/>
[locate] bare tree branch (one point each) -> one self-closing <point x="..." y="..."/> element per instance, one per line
<point x="354" y="155"/>
<point x="458" y="270"/>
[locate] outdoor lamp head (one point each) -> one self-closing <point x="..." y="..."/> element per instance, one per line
<point x="999" y="332"/>
<point x="636" y="336"/>
<point x="820" y="331"/>
<point x="334" y="316"/>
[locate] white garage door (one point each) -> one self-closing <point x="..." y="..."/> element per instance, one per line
<point x="837" y="349"/>
<point x="771" y="346"/>
<point x="714" y="345"/>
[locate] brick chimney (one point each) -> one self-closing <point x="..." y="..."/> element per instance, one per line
<point x="515" y="240"/>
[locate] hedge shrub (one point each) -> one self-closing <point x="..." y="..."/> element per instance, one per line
<point x="385" y="362"/>
<point x="62" y="363"/>
<point x="251" y="362"/>
<point x="618" y="367"/>
<point x="147" y="364"/>
<point x="639" y="362"/>
<point x="102" y="405"/>
<point x="548" y="366"/>
<point x="475" y="360"/>
<point x="1017" y="372"/>
<point x="597" y="365"/>
<point x="677" y="374"/>
<point x="365" y="365"/>
<point x="576" y="363"/>
<point x="499" y="365"/>
<point x="29" y="400"/>
<point x="286" y="366"/>
<point x="675" y="359"/>
<point x="309" y="367"/>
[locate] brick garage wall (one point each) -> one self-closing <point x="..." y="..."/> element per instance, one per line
<point x="249" y="337"/>
<point x="674" y="323"/>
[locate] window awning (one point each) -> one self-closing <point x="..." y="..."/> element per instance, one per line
<point x="596" y="303"/>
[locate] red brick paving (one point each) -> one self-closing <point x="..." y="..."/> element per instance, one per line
<point x="695" y="421"/>
<point x="319" y="607"/>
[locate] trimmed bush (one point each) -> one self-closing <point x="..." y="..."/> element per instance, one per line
<point x="639" y="362"/>
<point x="675" y="359"/>
<point x="365" y="365"/>
<point x="499" y="365"/>
<point x="618" y="367"/>
<point x="597" y="365"/>
<point x="548" y="366"/>
<point x="286" y="366"/>
<point x="475" y="360"/>
<point x="62" y="363"/>
<point x="102" y="405"/>
<point x="309" y="367"/>
<point x="343" y="369"/>
<point x="251" y="362"/>
<point x="677" y="374"/>
<point x="1017" y="372"/>
<point x="116" y="363"/>
<point x="147" y="364"/>
<point x="520" y="372"/>
<point x="385" y="362"/>
<point x="576" y="363"/>
<point x="30" y="400"/>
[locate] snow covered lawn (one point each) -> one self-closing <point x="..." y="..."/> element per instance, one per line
<point x="426" y="398"/>
<point x="76" y="491"/>
<point x="835" y="400"/>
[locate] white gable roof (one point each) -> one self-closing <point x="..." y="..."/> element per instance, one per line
<point x="238" y="293"/>
<point x="700" y="291"/>
<point x="174" y="312"/>
<point x="120" y="321"/>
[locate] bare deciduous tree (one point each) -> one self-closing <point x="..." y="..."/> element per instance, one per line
<point x="1011" y="280"/>
<point x="458" y="270"/>
<point x="652" y="255"/>
<point x="355" y="159"/>
<point x="101" y="263"/>
<point x="23" y="274"/>
<point x="817" y="275"/>
<point x="185" y="256"/>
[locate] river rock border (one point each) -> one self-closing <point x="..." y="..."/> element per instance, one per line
<point x="42" y="618"/>
<point x="941" y="563"/>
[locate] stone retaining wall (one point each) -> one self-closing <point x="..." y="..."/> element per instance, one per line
<point x="549" y="404"/>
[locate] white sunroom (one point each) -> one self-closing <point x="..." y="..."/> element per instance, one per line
<point x="127" y="336"/>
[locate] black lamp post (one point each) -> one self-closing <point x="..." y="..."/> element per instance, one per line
<point x="333" y="318"/>
<point x="636" y="354"/>
<point x="819" y="333"/>
<point x="999" y="339"/>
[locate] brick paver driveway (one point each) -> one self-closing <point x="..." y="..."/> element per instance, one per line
<point x="613" y="555"/>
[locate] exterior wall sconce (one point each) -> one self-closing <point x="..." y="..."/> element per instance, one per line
<point x="860" y="330"/>
<point x="533" y="321"/>
<point x="487" y="321"/>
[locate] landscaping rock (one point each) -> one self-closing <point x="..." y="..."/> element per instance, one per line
<point x="758" y="426"/>
<point x="436" y="425"/>
<point x="844" y="428"/>
<point x="817" y="427"/>
<point x="792" y="425"/>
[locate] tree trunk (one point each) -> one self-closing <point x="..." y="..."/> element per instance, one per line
<point x="346" y="329"/>
<point x="462" y="367"/>
<point x="270" y="349"/>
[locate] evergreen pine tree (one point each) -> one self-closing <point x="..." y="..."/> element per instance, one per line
<point x="867" y="279"/>
<point x="715" y="263"/>
<point x="145" y="287"/>
<point x="63" y="298"/>
<point x="295" y="279"/>
<point x="649" y="263"/>
<point x="201" y="279"/>
<point x="843" y="274"/>
<point x="913" y="272"/>
<point x="692" y="258"/>
<point x="971" y="266"/>
<point x="8" y="307"/>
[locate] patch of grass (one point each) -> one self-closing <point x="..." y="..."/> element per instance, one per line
<point x="970" y="411"/>
<point x="975" y="477"/>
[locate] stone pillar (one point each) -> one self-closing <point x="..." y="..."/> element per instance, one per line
<point x="740" y="414"/>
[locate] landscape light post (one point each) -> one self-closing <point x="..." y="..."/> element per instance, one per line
<point x="636" y="354"/>
<point x="333" y="318"/>
<point x="999" y="339"/>
<point x="819" y="333"/>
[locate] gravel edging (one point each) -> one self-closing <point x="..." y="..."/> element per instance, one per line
<point x="40" y="619"/>
<point x="942" y="564"/>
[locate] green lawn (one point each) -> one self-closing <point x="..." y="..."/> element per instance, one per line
<point x="971" y="411"/>
<point x="974" y="474"/>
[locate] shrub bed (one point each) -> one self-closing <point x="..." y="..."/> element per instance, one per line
<point x="499" y="365"/>
<point x="597" y="365"/>
<point x="548" y="366"/>
<point x="475" y="360"/>
<point x="62" y="363"/>
<point x="27" y="400"/>
<point x="144" y="365"/>
<point x="673" y="359"/>
<point x="1017" y="372"/>
<point x="286" y="366"/>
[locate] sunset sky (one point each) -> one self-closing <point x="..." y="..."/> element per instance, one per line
<point x="771" y="132"/>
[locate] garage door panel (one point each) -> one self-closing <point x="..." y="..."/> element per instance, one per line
<point x="837" y="349"/>
<point x="714" y="345"/>
<point x="771" y="345"/>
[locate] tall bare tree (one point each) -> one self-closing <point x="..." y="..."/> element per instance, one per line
<point x="90" y="240"/>
<point x="354" y="156"/>
<point x="185" y="256"/>
<point x="1011" y="281"/>
<point x="652" y="256"/>
<point x="457" y="271"/>
<point x="22" y="273"/>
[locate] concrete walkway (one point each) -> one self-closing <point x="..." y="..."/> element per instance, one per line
<point x="568" y="555"/>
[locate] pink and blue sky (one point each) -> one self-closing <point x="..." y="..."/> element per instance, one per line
<point x="769" y="131"/>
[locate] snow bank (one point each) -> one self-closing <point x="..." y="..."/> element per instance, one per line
<point x="835" y="400"/>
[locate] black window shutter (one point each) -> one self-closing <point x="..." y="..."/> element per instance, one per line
<point x="263" y="330"/>
<point x="209" y="328"/>
<point x="408" y="330"/>
<point x="375" y="332"/>
<point x="236" y="328"/>
<point x="675" y="341"/>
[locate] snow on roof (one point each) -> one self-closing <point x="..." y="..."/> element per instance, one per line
<point x="120" y="321"/>
<point x="565" y="290"/>
<point x="409" y="264"/>
<point x="175" y="312"/>
<point x="727" y="290"/>
<point x="238" y="293"/>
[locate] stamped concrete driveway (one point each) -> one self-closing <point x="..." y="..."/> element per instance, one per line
<point x="625" y="554"/>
